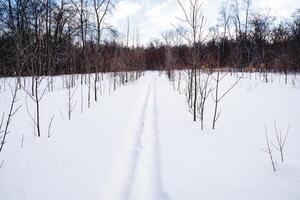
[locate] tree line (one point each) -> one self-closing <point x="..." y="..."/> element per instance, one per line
<point x="47" y="37"/>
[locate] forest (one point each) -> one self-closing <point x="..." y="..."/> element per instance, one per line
<point x="48" y="37"/>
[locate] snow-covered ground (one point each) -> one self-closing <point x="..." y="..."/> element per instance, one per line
<point x="139" y="143"/>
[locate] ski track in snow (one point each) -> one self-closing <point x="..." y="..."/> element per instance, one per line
<point x="135" y="174"/>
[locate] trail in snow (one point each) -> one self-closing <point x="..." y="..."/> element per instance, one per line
<point x="136" y="173"/>
<point x="146" y="182"/>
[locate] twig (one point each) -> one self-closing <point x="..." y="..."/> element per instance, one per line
<point x="22" y="142"/>
<point x="49" y="128"/>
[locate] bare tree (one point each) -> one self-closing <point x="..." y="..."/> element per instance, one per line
<point x="171" y="38"/>
<point x="217" y="97"/>
<point x="102" y="8"/>
<point x="247" y="11"/>
<point x="235" y="7"/>
<point x="70" y="100"/>
<point x="11" y="113"/>
<point x="196" y="22"/>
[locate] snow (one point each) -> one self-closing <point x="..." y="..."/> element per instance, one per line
<point x="139" y="142"/>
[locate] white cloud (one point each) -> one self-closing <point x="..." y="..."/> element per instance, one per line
<point x="164" y="13"/>
<point x="123" y="10"/>
<point x="162" y="17"/>
<point x="158" y="19"/>
<point x="278" y="8"/>
<point x="168" y="12"/>
<point x="153" y="17"/>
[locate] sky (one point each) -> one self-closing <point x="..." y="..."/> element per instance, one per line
<point x="150" y="18"/>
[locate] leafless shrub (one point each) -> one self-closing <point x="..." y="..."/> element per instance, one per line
<point x="204" y="90"/>
<point x="36" y="98"/>
<point x="281" y="139"/>
<point x="268" y="149"/>
<point x="32" y="118"/>
<point x="217" y="97"/>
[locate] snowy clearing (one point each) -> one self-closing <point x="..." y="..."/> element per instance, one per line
<point x="139" y="142"/>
